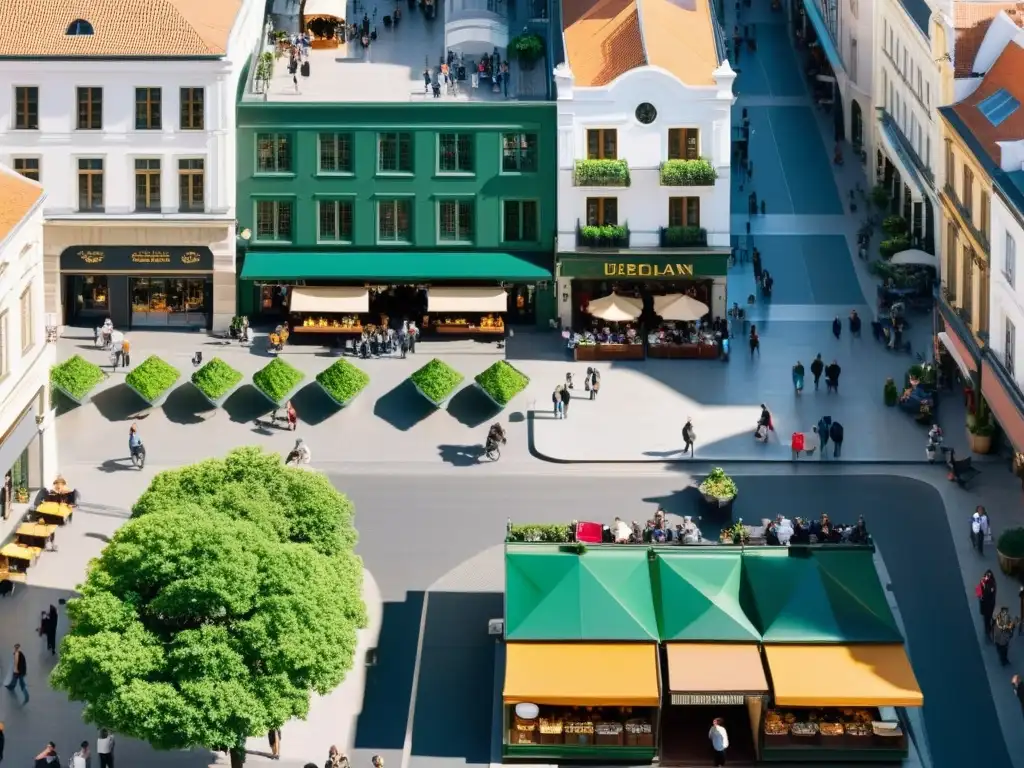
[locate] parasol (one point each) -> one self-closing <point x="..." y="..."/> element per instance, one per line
<point x="615" y="308"/>
<point x="915" y="258"/>
<point x="679" y="306"/>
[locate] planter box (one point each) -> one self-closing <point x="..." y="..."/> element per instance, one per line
<point x="84" y="399"/>
<point x="219" y="402"/>
<point x="436" y="404"/>
<point x="487" y="394"/>
<point x="160" y="399"/>
<point x="717" y="501"/>
<point x="287" y="396"/>
<point x="336" y="401"/>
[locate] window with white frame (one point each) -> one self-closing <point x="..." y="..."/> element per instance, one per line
<point x="455" y="221"/>
<point x="1009" y="353"/>
<point x="394" y="221"/>
<point x="27" y="319"/>
<point x="1010" y="260"/>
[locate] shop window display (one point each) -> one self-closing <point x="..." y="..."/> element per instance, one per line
<point x="585" y="726"/>
<point x="92" y="295"/>
<point x="168" y="301"/>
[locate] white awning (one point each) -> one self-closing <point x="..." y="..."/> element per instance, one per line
<point x="332" y="8"/>
<point x="915" y="258"/>
<point x="444" y="299"/>
<point x="954" y="353"/>
<point x="330" y="299"/>
<point x="615" y="308"/>
<point x="896" y="155"/>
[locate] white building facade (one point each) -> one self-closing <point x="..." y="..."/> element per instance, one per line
<point x="134" y="140"/>
<point x="28" y="446"/>
<point x="905" y="126"/>
<point x="1006" y="304"/>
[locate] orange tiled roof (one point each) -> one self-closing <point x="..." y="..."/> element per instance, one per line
<point x="971" y="21"/>
<point x="1007" y="73"/>
<point x="603" y="39"/>
<point x="120" y="27"/>
<point x="679" y="37"/>
<point x="17" y="197"/>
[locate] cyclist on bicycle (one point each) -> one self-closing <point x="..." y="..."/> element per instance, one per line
<point x="135" y="447"/>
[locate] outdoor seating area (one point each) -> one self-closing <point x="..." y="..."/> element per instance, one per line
<point x="604" y="644"/>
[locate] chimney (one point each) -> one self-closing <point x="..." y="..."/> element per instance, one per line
<point x="564" y="82"/>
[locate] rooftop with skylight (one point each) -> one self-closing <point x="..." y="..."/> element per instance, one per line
<point x="999" y="106"/>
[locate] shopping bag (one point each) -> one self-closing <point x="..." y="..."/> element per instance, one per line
<point x="798" y="441"/>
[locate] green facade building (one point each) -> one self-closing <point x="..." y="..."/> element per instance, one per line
<point x="400" y="198"/>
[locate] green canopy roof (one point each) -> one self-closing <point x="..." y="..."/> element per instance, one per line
<point x="556" y="594"/>
<point x="824" y="596"/>
<point x="698" y="596"/>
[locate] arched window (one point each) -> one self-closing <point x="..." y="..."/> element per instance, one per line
<point x="79" y="27"/>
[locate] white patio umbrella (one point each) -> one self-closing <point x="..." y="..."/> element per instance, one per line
<point x="915" y="258"/>
<point x="615" y="308"/>
<point x="679" y="306"/>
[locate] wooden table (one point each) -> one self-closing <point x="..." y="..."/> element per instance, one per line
<point x="34" y="534"/>
<point x="52" y="511"/>
<point x="21" y="555"/>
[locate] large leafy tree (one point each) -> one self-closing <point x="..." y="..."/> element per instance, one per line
<point x="211" y="616"/>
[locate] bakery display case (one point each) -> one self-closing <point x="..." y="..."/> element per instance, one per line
<point x="605" y="733"/>
<point x="846" y="734"/>
<point x="324" y="324"/>
<point x="482" y="324"/>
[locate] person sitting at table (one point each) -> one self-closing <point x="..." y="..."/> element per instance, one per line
<point x="771" y="536"/>
<point x="801" y="533"/>
<point x="859" y="533"/>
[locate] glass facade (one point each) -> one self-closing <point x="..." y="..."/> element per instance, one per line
<point x="91" y="295"/>
<point x="163" y="301"/>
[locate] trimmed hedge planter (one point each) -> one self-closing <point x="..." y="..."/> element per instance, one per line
<point x="501" y="382"/>
<point x="76" y="378"/>
<point x="153" y="380"/>
<point x="278" y="381"/>
<point x="342" y="382"/>
<point x="217" y="381"/>
<point x="437" y="382"/>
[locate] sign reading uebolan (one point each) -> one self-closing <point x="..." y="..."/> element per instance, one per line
<point x="707" y="699"/>
<point x="127" y="258"/>
<point x="640" y="268"/>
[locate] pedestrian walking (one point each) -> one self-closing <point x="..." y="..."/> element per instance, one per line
<point x="824" y="429"/>
<point x="755" y="342"/>
<point x="756" y="261"/>
<point x="568" y="380"/>
<point x="1002" y="633"/>
<point x="837" y="327"/>
<point x="413" y="333"/>
<point x="986" y="594"/>
<point x="566" y="398"/>
<point x="817" y="366"/>
<point x="48" y="757"/>
<point x="274" y="737"/>
<point x="719" y="740"/>
<point x="48" y="630"/>
<point x="81" y="758"/>
<point x="798" y="377"/>
<point x="836" y="433"/>
<point x="19" y="668"/>
<point x="977" y="532"/>
<point x="293" y="416"/>
<point x="335" y="759"/>
<point x="1018" y="690"/>
<point x="832" y="371"/>
<point x="105" y="748"/>
<point x="689" y="436"/>
<point x="556" y="401"/>
<point x="854" y="324"/>
<point x="594" y="382"/>
<point x="126" y="353"/>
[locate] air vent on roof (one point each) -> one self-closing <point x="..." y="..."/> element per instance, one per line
<point x="999" y="106"/>
<point x="79" y="27"/>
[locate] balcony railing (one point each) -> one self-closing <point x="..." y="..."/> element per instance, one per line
<point x="958" y="320"/>
<point x="688" y="173"/>
<point x="907" y="146"/>
<point x="601" y="173"/>
<point x="605" y="236"/>
<point x="967" y="216"/>
<point x="682" y="237"/>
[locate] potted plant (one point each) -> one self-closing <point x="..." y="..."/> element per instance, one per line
<point x="528" y="49"/>
<point x="718" y="488"/>
<point x="153" y="380"/>
<point x="737" y="533"/>
<point x="216" y="381"/>
<point x="76" y="378"/>
<point x="278" y="381"/>
<point x="894" y="226"/>
<point x="436" y="381"/>
<point x="1010" y="550"/>
<point x="501" y="382"/>
<point x="21" y="495"/>
<point x="890" y="394"/>
<point x="342" y="381"/>
<point x="980" y="430"/>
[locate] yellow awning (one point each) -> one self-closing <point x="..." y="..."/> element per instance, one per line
<point x="330" y="299"/>
<point x="842" y="676"/>
<point x="475" y="299"/>
<point x="582" y="674"/>
<point x="715" y="668"/>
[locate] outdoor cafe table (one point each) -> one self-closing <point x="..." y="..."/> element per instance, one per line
<point x="34" y="534"/>
<point x="20" y="554"/>
<point x="54" y="512"/>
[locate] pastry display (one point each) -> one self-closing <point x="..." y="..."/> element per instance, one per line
<point x="346" y="322"/>
<point x="858" y="729"/>
<point x="492" y="323"/>
<point x="608" y="729"/>
<point x="804" y="729"/>
<point x="830" y="729"/>
<point x="638" y="727"/>
<point x="886" y="729"/>
<point x="774" y="725"/>
<point x="550" y="726"/>
<point x="579" y="728"/>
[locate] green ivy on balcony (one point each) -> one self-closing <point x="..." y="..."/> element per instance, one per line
<point x="688" y="173"/>
<point x="602" y="173"/>
<point x="683" y="237"/>
<point x="606" y="236"/>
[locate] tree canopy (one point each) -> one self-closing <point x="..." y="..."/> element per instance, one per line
<point x="231" y="595"/>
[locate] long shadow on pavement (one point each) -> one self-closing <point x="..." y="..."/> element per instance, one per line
<point x="245" y="404"/>
<point x="471" y="408"/>
<point x="461" y="455"/>
<point x="118" y="403"/>
<point x="313" y="406"/>
<point x="456" y="647"/>
<point x="403" y="407"/>
<point x="186" y="406"/>
<point x="383" y="720"/>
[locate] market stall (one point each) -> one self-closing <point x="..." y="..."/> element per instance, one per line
<point x="467" y="309"/>
<point x="847" y="714"/>
<point x="566" y="701"/>
<point x="328" y="309"/>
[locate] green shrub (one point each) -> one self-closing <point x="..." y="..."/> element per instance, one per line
<point x="527" y="48"/>
<point x="1011" y="542"/>
<point x="76" y="376"/>
<point x="152" y="378"/>
<point x="277" y="379"/>
<point x="682" y="237"/>
<point x="893" y="245"/>
<point x="880" y="196"/>
<point x="606" y="236"/>
<point x="602" y="173"/>
<point x="216" y="379"/>
<point x="688" y="173"/>
<point x="890" y="394"/>
<point x="718" y="484"/>
<point x="343" y="381"/>
<point x="502" y="382"/>
<point x="537" y="532"/>
<point x="436" y="380"/>
<point x="894" y="226"/>
<point x="982" y="425"/>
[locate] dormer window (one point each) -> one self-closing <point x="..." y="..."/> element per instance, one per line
<point x="79" y="27"/>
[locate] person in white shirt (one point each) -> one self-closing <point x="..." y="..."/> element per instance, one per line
<point x="979" y="529"/>
<point x="719" y="740"/>
<point x="81" y="758"/>
<point x="105" y="748"/>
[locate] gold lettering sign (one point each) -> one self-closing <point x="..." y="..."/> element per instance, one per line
<point x="91" y="257"/>
<point x="612" y="269"/>
<point x="151" y="257"/>
<point x="190" y="257"/>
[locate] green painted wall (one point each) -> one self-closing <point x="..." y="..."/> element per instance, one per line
<point x="487" y="185"/>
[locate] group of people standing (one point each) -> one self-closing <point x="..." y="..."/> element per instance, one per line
<point x="562" y="395"/>
<point x="999" y="627"/>
<point x="818" y="367"/>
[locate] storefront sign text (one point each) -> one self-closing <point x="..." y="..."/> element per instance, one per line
<point x="126" y="258"/>
<point x="612" y="269"/>
<point x="707" y="699"/>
